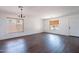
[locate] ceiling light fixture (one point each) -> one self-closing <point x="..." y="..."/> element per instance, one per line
<point x="21" y="16"/>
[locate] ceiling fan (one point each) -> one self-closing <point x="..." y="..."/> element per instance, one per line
<point x="20" y="16"/>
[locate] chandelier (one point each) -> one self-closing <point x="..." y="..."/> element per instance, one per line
<point x="21" y="15"/>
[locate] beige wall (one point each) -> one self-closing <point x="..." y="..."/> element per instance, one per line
<point x="32" y="25"/>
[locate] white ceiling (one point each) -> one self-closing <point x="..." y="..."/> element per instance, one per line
<point x="41" y="11"/>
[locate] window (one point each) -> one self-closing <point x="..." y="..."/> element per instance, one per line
<point x="15" y="25"/>
<point x="54" y="24"/>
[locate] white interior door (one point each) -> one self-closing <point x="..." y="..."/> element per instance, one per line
<point x="45" y="26"/>
<point x="74" y="26"/>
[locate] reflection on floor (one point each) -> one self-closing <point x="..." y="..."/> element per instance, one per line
<point x="40" y="43"/>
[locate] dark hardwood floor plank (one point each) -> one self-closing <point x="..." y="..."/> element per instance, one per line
<point x="40" y="43"/>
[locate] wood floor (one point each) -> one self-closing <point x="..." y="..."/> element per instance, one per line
<point x="40" y="43"/>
